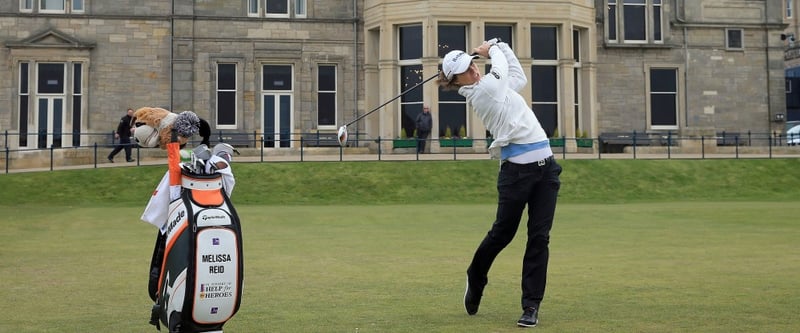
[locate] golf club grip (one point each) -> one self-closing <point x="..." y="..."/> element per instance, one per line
<point x="393" y="98"/>
<point x="493" y="41"/>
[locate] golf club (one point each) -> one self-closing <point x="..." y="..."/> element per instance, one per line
<point x="342" y="134"/>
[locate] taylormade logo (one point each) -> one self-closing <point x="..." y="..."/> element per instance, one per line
<point x="175" y="221"/>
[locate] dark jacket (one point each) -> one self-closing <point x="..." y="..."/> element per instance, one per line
<point x="424" y="121"/>
<point x="124" y="127"/>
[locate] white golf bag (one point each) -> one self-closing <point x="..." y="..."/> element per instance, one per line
<point x="196" y="272"/>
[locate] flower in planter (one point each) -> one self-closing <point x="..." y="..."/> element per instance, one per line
<point x="447" y="132"/>
<point x="462" y="132"/>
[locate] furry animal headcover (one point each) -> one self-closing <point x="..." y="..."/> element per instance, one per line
<point x="154" y="126"/>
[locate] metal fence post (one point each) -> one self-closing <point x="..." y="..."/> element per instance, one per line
<point x="634" y="144"/>
<point x="669" y="144"/>
<point x="379" y="148"/>
<point x="8" y="160"/>
<point x="95" y="155"/>
<point x="453" y="139"/>
<point x="416" y="147"/>
<point x="702" y="147"/>
<point x="599" y="148"/>
<point x="770" y="145"/>
<point x="51" y="157"/>
<point x="736" y="143"/>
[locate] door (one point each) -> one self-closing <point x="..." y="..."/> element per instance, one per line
<point x="277" y="120"/>
<point x="276" y="92"/>
<point x="50" y="98"/>
<point x="50" y="122"/>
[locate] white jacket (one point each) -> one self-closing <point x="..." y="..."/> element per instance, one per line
<point x="497" y="102"/>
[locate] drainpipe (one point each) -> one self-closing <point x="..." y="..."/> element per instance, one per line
<point x="171" y="51"/>
<point x="355" y="66"/>
<point x="766" y="58"/>
<point x="680" y="16"/>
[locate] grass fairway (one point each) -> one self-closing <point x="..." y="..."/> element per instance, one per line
<point x="726" y="263"/>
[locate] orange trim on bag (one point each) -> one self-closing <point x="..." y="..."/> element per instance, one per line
<point x="208" y="197"/>
<point x="167" y="249"/>
<point x="174" y="163"/>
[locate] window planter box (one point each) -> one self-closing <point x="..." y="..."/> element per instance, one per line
<point x="455" y="142"/>
<point x="585" y="143"/>
<point x="556" y="142"/>
<point x="404" y="143"/>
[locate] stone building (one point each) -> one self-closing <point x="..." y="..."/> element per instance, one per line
<point x="281" y="68"/>
<point x="690" y="67"/>
<point x="595" y="66"/>
<point x="404" y="42"/>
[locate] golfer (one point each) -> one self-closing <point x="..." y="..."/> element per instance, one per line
<point x="529" y="175"/>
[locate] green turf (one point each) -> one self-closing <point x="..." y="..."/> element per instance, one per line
<point x="354" y="183"/>
<point x="687" y="246"/>
<point x="649" y="267"/>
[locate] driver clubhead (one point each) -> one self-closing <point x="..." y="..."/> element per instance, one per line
<point x="342" y="136"/>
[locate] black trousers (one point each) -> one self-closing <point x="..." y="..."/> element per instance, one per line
<point x="421" y="136"/>
<point x="535" y="185"/>
<point x="124" y="142"/>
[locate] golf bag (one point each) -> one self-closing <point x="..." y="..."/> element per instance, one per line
<point x="196" y="272"/>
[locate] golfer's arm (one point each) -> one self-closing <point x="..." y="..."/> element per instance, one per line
<point x="516" y="77"/>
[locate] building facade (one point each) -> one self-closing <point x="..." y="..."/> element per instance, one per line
<point x="273" y="67"/>
<point x="405" y="41"/>
<point x="690" y="67"/>
<point x="280" y="68"/>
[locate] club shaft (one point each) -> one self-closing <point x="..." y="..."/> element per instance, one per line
<point x="389" y="101"/>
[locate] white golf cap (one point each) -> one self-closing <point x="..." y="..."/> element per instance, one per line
<point x="456" y="62"/>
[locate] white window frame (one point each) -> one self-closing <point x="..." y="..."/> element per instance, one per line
<point x="727" y="40"/>
<point x="26" y="6"/>
<point x="679" y="95"/>
<point x="257" y="4"/>
<point x="577" y="77"/>
<point x="53" y="11"/>
<point x="789" y="8"/>
<point x="467" y="119"/>
<point x="74" y="9"/>
<point x="300" y="8"/>
<point x="335" y="93"/>
<point x="70" y="6"/>
<point x="294" y="9"/>
<point x="277" y="93"/>
<point x="235" y="92"/>
<point x="26" y="92"/>
<point x="649" y="24"/>
<point x="277" y="15"/>
<point x="555" y="63"/>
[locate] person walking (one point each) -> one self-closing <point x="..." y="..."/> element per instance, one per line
<point x="529" y="174"/>
<point x="424" y="124"/>
<point x="123" y="134"/>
